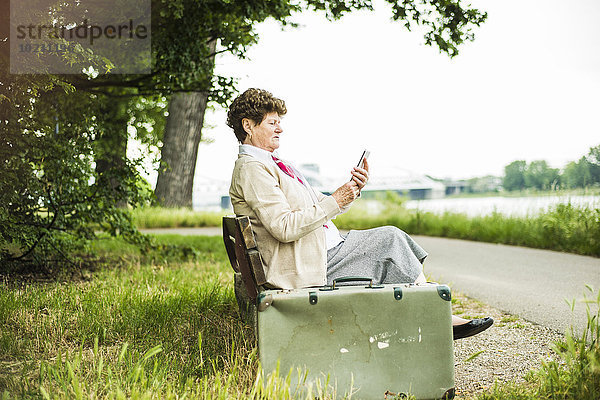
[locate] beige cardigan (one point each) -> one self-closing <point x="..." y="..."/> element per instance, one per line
<point x="287" y="223"/>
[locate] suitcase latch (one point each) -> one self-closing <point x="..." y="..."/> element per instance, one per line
<point x="312" y="298"/>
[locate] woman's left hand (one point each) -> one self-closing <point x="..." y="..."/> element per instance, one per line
<point x="361" y="175"/>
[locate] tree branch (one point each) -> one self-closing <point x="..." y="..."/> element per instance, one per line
<point x="85" y="84"/>
<point x="164" y="91"/>
<point x="39" y="239"/>
<point x="220" y="51"/>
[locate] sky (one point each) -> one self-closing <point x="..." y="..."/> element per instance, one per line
<point x="527" y="88"/>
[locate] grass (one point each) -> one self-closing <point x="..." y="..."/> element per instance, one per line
<point x="158" y="217"/>
<point x="154" y="327"/>
<point x="564" y="227"/>
<point x="166" y="327"/>
<point x="575" y="376"/>
<point x="458" y="306"/>
<point x="511" y="320"/>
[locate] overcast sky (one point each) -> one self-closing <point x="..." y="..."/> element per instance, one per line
<point x="527" y="88"/>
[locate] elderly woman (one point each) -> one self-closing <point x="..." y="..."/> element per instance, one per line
<point x="299" y="244"/>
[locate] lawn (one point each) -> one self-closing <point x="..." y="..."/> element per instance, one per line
<point x="164" y="325"/>
<point x="159" y="325"/>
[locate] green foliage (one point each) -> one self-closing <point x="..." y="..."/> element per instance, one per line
<point x="62" y="176"/>
<point x="514" y="175"/>
<point x="563" y="227"/>
<point x="583" y="173"/>
<point x="447" y="23"/>
<point x="593" y="158"/>
<point x="539" y="176"/>
<point x="52" y="197"/>
<point x="148" y="116"/>
<point x="577" y="174"/>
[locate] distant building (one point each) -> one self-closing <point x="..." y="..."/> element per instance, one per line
<point x="384" y="179"/>
<point x="406" y="183"/>
<point x="455" y="187"/>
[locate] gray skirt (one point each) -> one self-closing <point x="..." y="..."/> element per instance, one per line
<point x="386" y="254"/>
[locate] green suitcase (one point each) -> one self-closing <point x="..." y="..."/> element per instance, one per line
<point x="381" y="341"/>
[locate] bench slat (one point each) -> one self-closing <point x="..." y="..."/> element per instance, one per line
<point x="247" y="233"/>
<point x="243" y="254"/>
<point x="229" y="240"/>
<point x="257" y="267"/>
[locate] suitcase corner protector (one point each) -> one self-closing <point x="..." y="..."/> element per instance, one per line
<point x="444" y="292"/>
<point x="264" y="301"/>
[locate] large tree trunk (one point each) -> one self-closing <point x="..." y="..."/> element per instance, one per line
<point x="179" y="152"/>
<point x="182" y="136"/>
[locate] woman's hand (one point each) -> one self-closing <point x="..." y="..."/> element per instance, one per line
<point x="346" y="193"/>
<point x="361" y="175"/>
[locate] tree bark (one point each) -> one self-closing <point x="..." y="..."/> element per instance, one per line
<point x="183" y="132"/>
<point x="182" y="136"/>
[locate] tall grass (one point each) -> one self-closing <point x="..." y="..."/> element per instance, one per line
<point x="563" y="228"/>
<point x="158" y="217"/>
<point x="575" y="376"/>
<point x="157" y="328"/>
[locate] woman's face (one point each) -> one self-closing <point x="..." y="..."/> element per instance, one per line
<point x="264" y="135"/>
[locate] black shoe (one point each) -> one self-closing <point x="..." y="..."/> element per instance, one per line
<point x="472" y="327"/>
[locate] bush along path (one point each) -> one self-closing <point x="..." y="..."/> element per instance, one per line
<point x="563" y="228"/>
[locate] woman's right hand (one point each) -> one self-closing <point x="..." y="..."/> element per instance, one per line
<point x="346" y="193"/>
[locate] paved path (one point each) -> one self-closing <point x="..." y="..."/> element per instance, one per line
<point x="208" y="231"/>
<point x="529" y="282"/>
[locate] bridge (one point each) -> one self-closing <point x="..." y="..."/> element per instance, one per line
<point x="214" y="193"/>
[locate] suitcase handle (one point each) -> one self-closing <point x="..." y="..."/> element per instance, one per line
<point x="351" y="279"/>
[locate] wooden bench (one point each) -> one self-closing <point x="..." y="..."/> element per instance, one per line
<point x="249" y="274"/>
